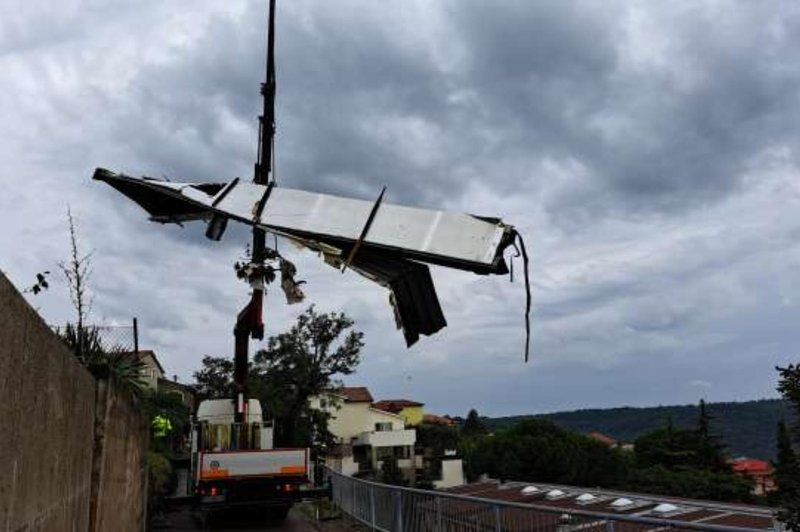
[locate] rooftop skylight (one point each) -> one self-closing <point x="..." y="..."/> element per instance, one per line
<point x="622" y="502"/>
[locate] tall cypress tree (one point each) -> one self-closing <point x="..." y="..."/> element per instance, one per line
<point x="787" y="466"/>
<point x="710" y="448"/>
<point x="787" y="469"/>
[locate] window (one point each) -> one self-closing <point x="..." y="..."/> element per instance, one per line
<point x="384" y="453"/>
<point x="402" y="451"/>
<point x="383" y="427"/>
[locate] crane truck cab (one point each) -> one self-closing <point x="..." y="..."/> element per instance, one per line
<point x="235" y="464"/>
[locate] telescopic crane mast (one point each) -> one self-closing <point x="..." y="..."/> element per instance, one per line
<point x="249" y="323"/>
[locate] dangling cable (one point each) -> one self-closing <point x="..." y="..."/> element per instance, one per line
<point x="511" y="262"/>
<point x="526" y="262"/>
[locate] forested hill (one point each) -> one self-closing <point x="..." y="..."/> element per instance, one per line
<point x="748" y="427"/>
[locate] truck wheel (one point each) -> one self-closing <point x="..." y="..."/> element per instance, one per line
<point x="279" y="513"/>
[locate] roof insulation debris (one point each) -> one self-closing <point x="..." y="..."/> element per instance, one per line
<point x="388" y="244"/>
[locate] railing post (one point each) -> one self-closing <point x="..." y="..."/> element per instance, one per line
<point x="609" y="525"/>
<point x="438" y="512"/>
<point x="398" y="510"/>
<point x="372" y="506"/>
<point x="352" y="503"/>
<point x="498" y="525"/>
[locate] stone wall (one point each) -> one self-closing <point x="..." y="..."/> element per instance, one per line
<point x="57" y="426"/>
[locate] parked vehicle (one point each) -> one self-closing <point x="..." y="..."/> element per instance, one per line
<point x="235" y="464"/>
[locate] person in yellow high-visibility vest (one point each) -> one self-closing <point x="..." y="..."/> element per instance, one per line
<point x="161" y="426"/>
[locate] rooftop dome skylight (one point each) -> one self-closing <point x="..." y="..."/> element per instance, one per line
<point x="665" y="508"/>
<point x="622" y="502"/>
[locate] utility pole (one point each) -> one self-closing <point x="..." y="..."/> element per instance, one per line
<point x="249" y="322"/>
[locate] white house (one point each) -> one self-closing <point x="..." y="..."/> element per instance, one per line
<point x="366" y="436"/>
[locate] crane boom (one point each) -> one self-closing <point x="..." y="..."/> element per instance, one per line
<point x="249" y="322"/>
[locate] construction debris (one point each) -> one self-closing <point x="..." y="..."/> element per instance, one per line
<point x="385" y="243"/>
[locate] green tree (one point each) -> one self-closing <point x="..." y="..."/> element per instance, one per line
<point x="214" y="379"/>
<point x="710" y="448"/>
<point x="669" y="446"/>
<point x="787" y="470"/>
<point x="391" y="473"/>
<point x="539" y="450"/>
<point x="299" y="364"/>
<point x="473" y="425"/>
<point x="692" y="483"/>
<point x="437" y="438"/>
<point x="789" y="388"/>
<point x="170" y="407"/>
<point x="295" y="365"/>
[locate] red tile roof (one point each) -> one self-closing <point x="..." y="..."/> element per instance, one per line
<point x="356" y="394"/>
<point x="433" y="419"/>
<point x="751" y="465"/>
<point x="395" y="405"/>
<point x="602" y="438"/>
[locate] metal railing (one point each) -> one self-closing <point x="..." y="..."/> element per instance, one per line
<point x="398" y="509"/>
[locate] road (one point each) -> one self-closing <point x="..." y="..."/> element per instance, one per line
<point x="180" y="518"/>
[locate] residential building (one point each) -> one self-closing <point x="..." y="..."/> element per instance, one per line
<point x="410" y="411"/>
<point x="443" y="469"/>
<point x="673" y="511"/>
<point x="436" y="459"/>
<point x="760" y="471"/>
<point x="366" y="436"/>
<point x="433" y="419"/>
<point x="152" y="371"/>
<point x="608" y="441"/>
<point x="187" y="393"/>
<point x="451" y="472"/>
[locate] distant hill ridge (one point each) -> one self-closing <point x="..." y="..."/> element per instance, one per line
<point x="747" y="427"/>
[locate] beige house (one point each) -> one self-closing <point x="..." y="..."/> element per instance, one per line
<point x="186" y="393"/>
<point x="366" y="436"/>
<point x="152" y="371"/>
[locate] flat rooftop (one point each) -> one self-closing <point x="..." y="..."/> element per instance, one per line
<point x="622" y="503"/>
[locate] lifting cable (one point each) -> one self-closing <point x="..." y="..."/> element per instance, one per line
<point x="526" y="262"/>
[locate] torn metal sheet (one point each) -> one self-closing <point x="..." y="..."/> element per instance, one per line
<point x="413" y="295"/>
<point x="455" y="240"/>
<point x="385" y="244"/>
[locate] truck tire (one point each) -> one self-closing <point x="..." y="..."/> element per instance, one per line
<point x="279" y="513"/>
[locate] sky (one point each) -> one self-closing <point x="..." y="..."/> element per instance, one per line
<point x="648" y="152"/>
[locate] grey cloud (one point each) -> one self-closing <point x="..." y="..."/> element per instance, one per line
<point x="648" y="141"/>
<point x="648" y="152"/>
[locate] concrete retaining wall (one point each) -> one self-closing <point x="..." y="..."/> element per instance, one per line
<point x="50" y="412"/>
<point x="119" y="503"/>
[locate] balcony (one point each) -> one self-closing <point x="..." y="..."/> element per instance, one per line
<point x="387" y="438"/>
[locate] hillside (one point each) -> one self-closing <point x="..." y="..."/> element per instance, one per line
<point x="747" y="427"/>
